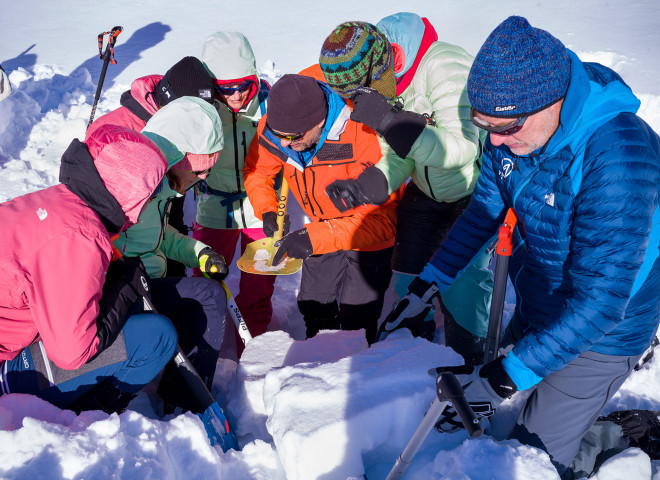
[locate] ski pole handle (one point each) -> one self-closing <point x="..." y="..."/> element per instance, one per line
<point x="448" y="389"/>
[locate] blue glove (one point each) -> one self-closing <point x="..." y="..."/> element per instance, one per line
<point x="485" y="388"/>
<point x="411" y="311"/>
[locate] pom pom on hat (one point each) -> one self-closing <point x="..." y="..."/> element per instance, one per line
<point x="518" y="71"/>
<point x="357" y="54"/>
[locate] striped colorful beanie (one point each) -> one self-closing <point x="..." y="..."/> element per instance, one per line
<point x="354" y="55"/>
<point x="518" y="71"/>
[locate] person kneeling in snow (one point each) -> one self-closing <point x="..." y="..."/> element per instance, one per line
<point x="188" y="131"/>
<point x="566" y="151"/>
<point x="67" y="328"/>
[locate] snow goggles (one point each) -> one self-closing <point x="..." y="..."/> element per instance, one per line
<point x="507" y="129"/>
<point x="290" y="138"/>
<point x="228" y="91"/>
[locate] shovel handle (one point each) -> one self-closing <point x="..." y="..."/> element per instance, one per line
<point x="281" y="209"/>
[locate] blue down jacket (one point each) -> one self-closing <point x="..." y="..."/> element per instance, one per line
<point x="585" y="264"/>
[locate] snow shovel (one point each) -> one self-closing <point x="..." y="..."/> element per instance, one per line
<point x="447" y="387"/>
<point x="213" y="417"/>
<point x="258" y="255"/>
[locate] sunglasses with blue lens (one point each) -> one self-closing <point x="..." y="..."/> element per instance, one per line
<point x="228" y="91"/>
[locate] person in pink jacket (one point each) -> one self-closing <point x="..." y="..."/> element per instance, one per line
<point x="68" y="329"/>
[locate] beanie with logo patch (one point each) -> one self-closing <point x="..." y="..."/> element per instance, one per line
<point x="357" y="54"/>
<point x="519" y="70"/>
<point x="188" y="77"/>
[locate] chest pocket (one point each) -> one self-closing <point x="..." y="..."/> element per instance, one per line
<point x="332" y="152"/>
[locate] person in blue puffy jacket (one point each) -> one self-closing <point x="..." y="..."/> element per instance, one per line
<point x="581" y="170"/>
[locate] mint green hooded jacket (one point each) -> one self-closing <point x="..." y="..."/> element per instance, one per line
<point x="185" y="125"/>
<point x="443" y="162"/>
<point x="228" y="56"/>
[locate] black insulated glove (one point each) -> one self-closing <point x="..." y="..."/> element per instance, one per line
<point x="370" y="187"/>
<point x="270" y="224"/>
<point x="295" y="245"/>
<point x="400" y="128"/>
<point x="212" y="264"/>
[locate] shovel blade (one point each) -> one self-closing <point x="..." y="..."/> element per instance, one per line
<point x="258" y="257"/>
<point x="217" y="428"/>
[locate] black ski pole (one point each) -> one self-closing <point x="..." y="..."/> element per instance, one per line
<point x="447" y="387"/>
<point x="108" y="57"/>
<point x="503" y="252"/>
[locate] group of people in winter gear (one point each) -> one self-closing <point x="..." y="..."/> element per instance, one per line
<point x="405" y="153"/>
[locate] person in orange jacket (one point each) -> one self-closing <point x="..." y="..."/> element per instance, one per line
<point x="307" y="132"/>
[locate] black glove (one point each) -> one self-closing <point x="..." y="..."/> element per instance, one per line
<point x="369" y="187"/>
<point x="212" y="264"/>
<point x="400" y="128"/>
<point x="131" y="271"/>
<point x="485" y="388"/>
<point x="270" y="224"/>
<point x="411" y="311"/>
<point x="642" y="427"/>
<point x="295" y="245"/>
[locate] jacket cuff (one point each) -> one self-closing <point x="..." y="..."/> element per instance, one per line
<point x="523" y="376"/>
<point x="430" y="274"/>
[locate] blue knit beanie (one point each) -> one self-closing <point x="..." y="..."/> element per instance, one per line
<point x="518" y="71"/>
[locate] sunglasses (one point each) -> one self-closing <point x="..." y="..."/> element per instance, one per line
<point x="201" y="172"/>
<point x="290" y="138"/>
<point x="507" y="129"/>
<point x="243" y="87"/>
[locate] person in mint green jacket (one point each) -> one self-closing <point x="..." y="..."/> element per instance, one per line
<point x="188" y="131"/>
<point x="429" y="139"/>
<point x="225" y="216"/>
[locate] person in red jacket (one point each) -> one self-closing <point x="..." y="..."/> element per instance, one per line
<point x="307" y="132"/>
<point x="71" y="325"/>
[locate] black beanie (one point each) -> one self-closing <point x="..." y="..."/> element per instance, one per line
<point x="187" y="78"/>
<point x="296" y="103"/>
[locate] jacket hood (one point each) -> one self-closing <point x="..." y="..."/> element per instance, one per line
<point x="140" y="99"/>
<point x="410" y="36"/>
<point x="115" y="172"/>
<point x="229" y="56"/>
<point x="596" y="94"/>
<point x="185" y="125"/>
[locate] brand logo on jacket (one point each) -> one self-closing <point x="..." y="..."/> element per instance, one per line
<point x="550" y="199"/>
<point x="507" y="167"/>
<point x="42" y="214"/>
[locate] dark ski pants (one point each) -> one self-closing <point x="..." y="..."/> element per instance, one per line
<point x="344" y="290"/>
<point x="197" y="307"/>
<point x="567" y="403"/>
<point x="145" y="344"/>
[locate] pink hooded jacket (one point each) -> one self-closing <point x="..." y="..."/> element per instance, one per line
<point x="55" y="247"/>
<point x="137" y="106"/>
